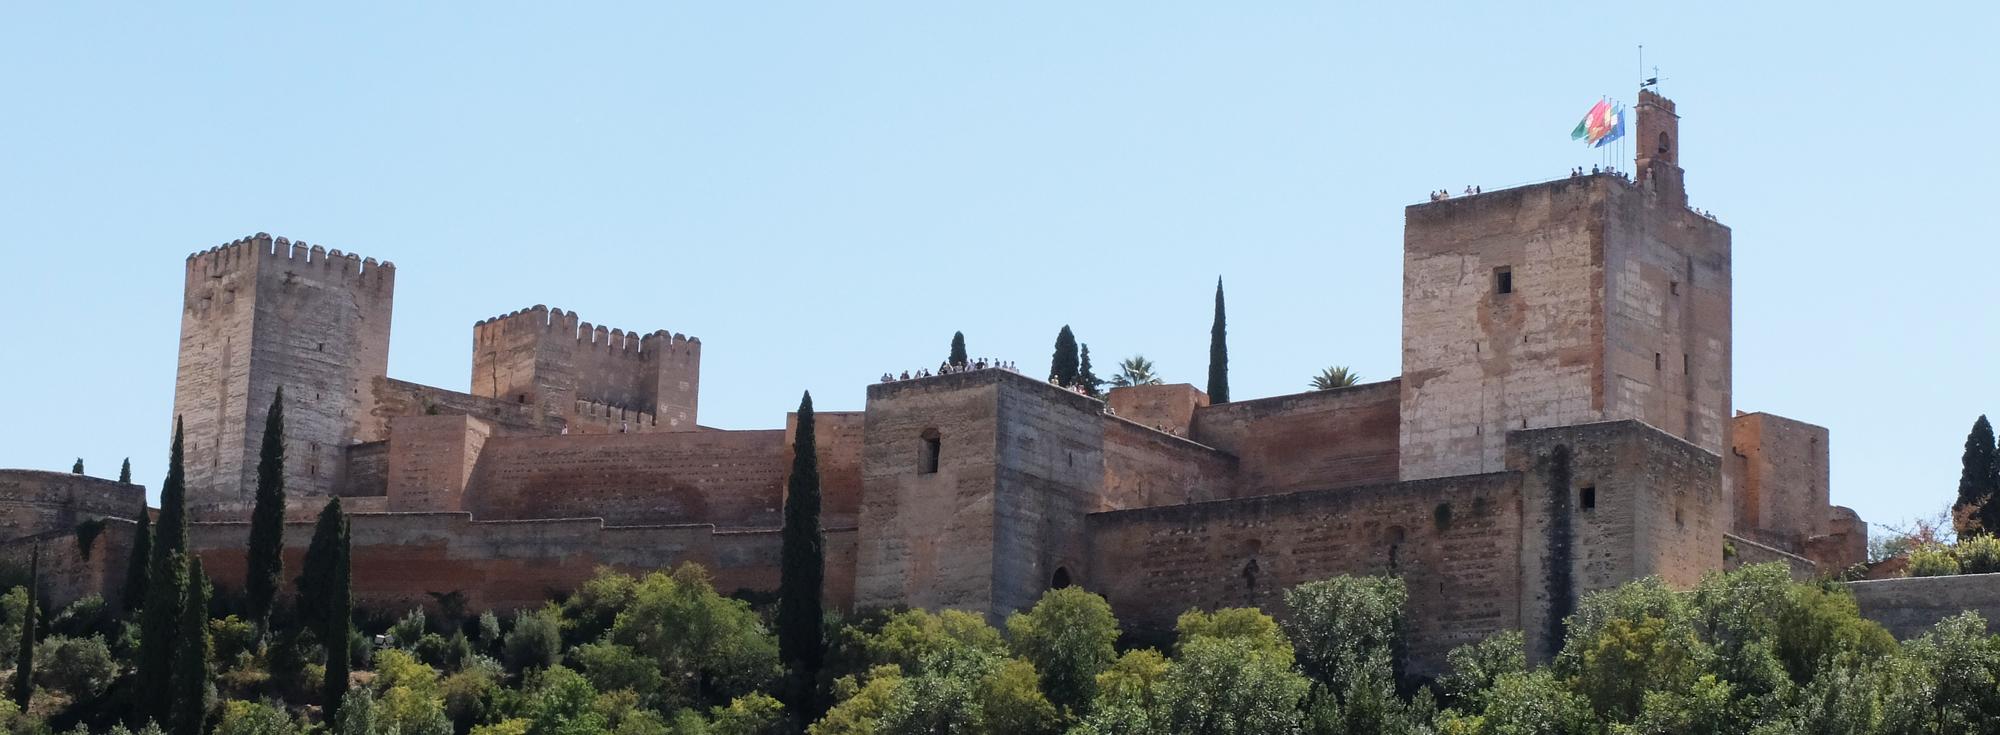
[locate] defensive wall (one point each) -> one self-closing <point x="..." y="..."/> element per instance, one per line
<point x="1311" y="440"/>
<point x="1579" y="509"/>
<point x="550" y="358"/>
<point x="262" y="313"/>
<point x="1566" y="302"/>
<point x="83" y="526"/>
<point x="34" y="502"/>
<point x="402" y="560"/>
<point x="1911" y="605"/>
<point x="1454" y="540"/>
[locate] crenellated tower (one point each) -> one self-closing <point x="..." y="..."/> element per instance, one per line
<point x="260" y="313"/>
<point x="570" y="368"/>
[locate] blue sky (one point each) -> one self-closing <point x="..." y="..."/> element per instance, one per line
<point x="824" y="193"/>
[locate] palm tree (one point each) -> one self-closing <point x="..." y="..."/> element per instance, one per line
<point x="1337" y="376"/>
<point x="1135" y="370"/>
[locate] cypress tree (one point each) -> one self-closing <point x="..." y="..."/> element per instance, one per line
<point x="1218" y="353"/>
<point x="316" y="579"/>
<point x="24" y="661"/>
<point x="135" y="588"/>
<point x="266" y="567"/>
<point x="189" y="694"/>
<point x="1976" y="479"/>
<point x="339" y="616"/>
<point x="1063" y="367"/>
<point x="801" y="610"/>
<point x="958" y="349"/>
<point x="136" y="565"/>
<point x="125" y="471"/>
<point x="1092" y="384"/>
<point x="77" y="469"/>
<point x="166" y="591"/>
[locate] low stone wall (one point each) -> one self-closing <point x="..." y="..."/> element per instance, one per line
<point x="1749" y="553"/>
<point x="1911" y="605"/>
<point x="402" y="560"/>
<point x="74" y="564"/>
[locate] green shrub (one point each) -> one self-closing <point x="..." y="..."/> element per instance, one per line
<point x="407" y="631"/>
<point x="1979" y="554"/>
<point x="82" y="619"/>
<point x="82" y="668"/>
<point x="1932" y="561"/>
<point x="255" y="718"/>
<point x="536" y="640"/>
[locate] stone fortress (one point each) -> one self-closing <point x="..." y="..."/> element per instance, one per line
<point x="1564" y="423"/>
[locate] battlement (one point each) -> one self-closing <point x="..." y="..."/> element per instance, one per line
<point x="540" y="319"/>
<point x="248" y="252"/>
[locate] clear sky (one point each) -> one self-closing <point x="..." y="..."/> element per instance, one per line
<point x="822" y="193"/>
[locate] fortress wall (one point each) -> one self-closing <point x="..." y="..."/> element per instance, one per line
<point x="1145" y="468"/>
<point x="395" y="398"/>
<point x="1049" y="471"/>
<point x="1321" y="439"/>
<point x="1453" y="540"/>
<point x="926" y="538"/>
<point x="1630" y="501"/>
<point x="33" y="502"/>
<point x="367" y="472"/>
<point x="549" y="357"/>
<point x="1844" y="544"/>
<point x="401" y="558"/>
<point x="1781" y="480"/>
<point x="1168" y="408"/>
<point x="733" y="479"/>
<point x="1478" y="363"/>
<point x="431" y="459"/>
<point x="264" y="313"/>
<point x="71" y="570"/>
<point x="1667" y="317"/>
<point x="1911" y="605"/>
<point x="1751" y="553"/>
<point x="839" y="437"/>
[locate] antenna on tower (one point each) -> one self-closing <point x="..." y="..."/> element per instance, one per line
<point x="1646" y="81"/>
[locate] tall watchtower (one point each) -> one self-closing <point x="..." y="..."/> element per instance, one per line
<point x="547" y="357"/>
<point x="1583" y="299"/>
<point x="259" y="314"/>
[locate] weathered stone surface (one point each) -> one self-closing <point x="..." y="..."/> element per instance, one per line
<point x="1911" y="605"/>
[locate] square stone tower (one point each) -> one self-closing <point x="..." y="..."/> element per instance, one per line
<point x="546" y="357"/>
<point x="1591" y="298"/>
<point x="259" y="314"/>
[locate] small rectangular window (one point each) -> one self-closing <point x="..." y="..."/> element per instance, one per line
<point x="1685" y="363"/>
<point x="1503" y="280"/>
<point x="927" y="460"/>
<point x="1674" y="287"/>
<point x="1656" y="361"/>
<point x="1587" y="497"/>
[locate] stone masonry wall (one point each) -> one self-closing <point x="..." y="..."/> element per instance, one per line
<point x="1911" y="605"/>
<point x="1781" y="484"/>
<point x="70" y="569"/>
<point x="431" y="459"/>
<point x="1453" y="540"/>
<point x="733" y="479"/>
<point x="839" y="436"/>
<point x="1478" y="363"/>
<point x="260" y="314"/>
<point x="550" y="359"/>
<point x="1667" y="317"/>
<point x="1604" y="504"/>
<point x="33" y="502"/>
<point x="1049" y="472"/>
<point x="1169" y="408"/>
<point x="1144" y="468"/>
<point x="926" y="538"/>
<point x="401" y="558"/>
<point x="1308" y="441"/>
